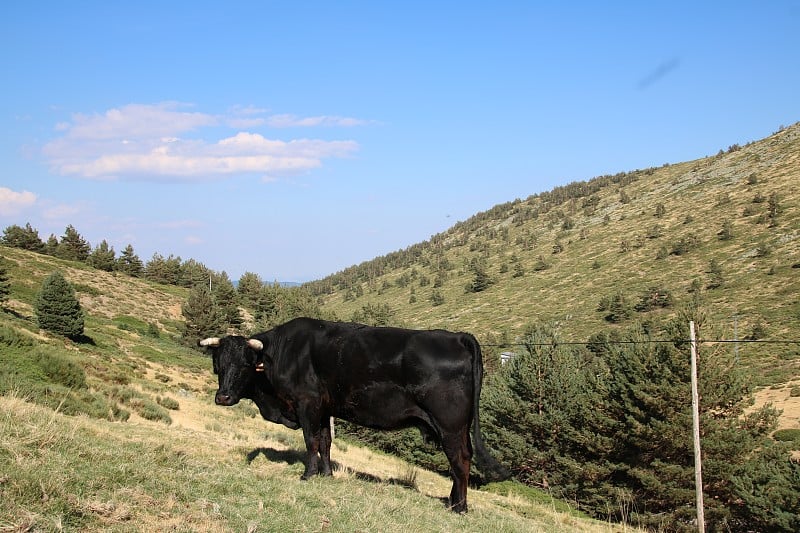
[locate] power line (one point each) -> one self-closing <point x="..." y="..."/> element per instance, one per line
<point x="650" y="341"/>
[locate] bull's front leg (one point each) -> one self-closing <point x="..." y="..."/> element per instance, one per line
<point x="311" y="435"/>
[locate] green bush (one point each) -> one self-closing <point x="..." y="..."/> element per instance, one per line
<point x="787" y="435"/>
<point x="11" y="338"/>
<point x="168" y="403"/>
<point x="59" y="369"/>
<point x="154" y="412"/>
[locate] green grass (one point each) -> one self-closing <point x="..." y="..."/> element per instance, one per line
<point x="65" y="473"/>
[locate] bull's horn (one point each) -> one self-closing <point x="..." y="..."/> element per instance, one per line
<point x="211" y="341"/>
<point x="255" y="344"/>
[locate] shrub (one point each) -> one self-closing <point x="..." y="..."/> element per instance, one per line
<point x="654" y="297"/>
<point x="168" y="403"/>
<point x="685" y="244"/>
<point x="57" y="309"/>
<point x="150" y="410"/>
<point x="59" y="369"/>
<point x="787" y="435"/>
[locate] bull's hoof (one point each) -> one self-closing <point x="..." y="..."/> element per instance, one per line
<point x="460" y="508"/>
<point x="308" y="474"/>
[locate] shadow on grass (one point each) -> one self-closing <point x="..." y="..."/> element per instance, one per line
<point x="291" y="457"/>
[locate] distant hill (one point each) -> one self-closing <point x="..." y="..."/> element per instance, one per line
<point x="725" y="226"/>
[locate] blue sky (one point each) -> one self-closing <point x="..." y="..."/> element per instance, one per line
<point x="294" y="139"/>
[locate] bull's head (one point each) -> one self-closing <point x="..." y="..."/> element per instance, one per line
<point x="236" y="362"/>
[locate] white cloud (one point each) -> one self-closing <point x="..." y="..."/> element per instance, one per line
<point x="246" y="123"/>
<point x="180" y="224"/>
<point x="292" y="121"/>
<point x="144" y="142"/>
<point x="137" y="121"/>
<point x="13" y="202"/>
<point x="60" y="212"/>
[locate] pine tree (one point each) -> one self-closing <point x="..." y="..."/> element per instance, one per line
<point x="480" y="277"/>
<point x="51" y="246"/>
<point x="102" y="257"/>
<point x="57" y="309"/>
<point x="5" y="282"/>
<point x="249" y="288"/>
<point x="26" y="238"/>
<point x="716" y="278"/>
<point x="649" y="398"/>
<point x="163" y="270"/>
<point x="193" y="273"/>
<point x="129" y="263"/>
<point x="228" y="300"/>
<point x="202" y="316"/>
<point x="544" y="416"/>
<point x="72" y="246"/>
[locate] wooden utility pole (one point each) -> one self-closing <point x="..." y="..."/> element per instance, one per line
<point x="698" y="466"/>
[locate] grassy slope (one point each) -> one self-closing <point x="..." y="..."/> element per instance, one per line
<point x="235" y="473"/>
<point x="697" y="197"/>
<point x="202" y="467"/>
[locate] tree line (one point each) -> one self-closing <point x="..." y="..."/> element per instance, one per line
<point x="214" y="306"/>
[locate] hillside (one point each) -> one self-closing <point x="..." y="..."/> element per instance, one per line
<point x="121" y="433"/>
<point x="726" y="227"/>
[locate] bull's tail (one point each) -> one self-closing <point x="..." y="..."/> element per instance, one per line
<point x="490" y="467"/>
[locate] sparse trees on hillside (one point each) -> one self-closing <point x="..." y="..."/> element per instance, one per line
<point x="57" y="308"/>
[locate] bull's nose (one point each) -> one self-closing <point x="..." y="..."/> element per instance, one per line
<point x="223" y="399"/>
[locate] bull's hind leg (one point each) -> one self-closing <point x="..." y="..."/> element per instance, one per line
<point x="459" y="453"/>
<point x="325" y="448"/>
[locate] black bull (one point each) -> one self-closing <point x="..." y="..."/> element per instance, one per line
<point x="303" y="372"/>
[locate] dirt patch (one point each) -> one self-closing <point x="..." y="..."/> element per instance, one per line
<point x="781" y="399"/>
